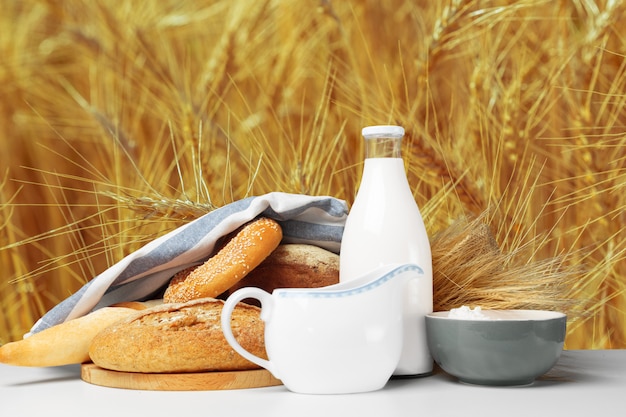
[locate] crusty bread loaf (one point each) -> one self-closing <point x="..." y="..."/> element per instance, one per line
<point x="63" y="344"/>
<point x="293" y="266"/>
<point x="179" y="337"/>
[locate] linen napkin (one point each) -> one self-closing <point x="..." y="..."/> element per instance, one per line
<point x="316" y="220"/>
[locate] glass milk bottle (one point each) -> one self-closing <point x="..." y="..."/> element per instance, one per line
<point x="385" y="226"/>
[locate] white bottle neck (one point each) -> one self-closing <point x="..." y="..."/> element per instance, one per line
<point x="383" y="147"/>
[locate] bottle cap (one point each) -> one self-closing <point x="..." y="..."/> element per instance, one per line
<point x="386" y="131"/>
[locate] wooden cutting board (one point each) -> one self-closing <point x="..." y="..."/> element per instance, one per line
<point x="200" y="381"/>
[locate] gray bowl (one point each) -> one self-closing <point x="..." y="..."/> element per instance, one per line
<point x="509" y="347"/>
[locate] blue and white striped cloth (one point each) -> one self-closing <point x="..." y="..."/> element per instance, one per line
<point x="143" y="273"/>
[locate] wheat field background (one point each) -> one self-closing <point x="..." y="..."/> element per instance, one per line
<point x="121" y="120"/>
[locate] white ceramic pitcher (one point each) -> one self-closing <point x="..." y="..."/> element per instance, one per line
<point x="343" y="338"/>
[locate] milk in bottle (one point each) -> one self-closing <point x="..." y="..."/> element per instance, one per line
<point x="385" y="226"/>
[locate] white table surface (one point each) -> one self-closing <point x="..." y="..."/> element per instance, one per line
<point x="583" y="383"/>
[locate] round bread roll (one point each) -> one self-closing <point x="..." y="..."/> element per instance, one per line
<point x="245" y="251"/>
<point x="179" y="337"/>
<point x="293" y="266"/>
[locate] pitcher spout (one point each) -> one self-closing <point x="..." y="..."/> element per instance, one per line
<point x="398" y="273"/>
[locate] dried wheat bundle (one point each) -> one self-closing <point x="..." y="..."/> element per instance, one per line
<point x="469" y="268"/>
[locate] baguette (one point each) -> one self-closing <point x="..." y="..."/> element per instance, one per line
<point x="179" y="337"/>
<point x="63" y="344"/>
<point x="139" y="305"/>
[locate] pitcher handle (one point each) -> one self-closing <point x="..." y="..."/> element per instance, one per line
<point x="227" y="310"/>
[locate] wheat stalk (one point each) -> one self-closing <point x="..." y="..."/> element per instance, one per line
<point x="134" y="119"/>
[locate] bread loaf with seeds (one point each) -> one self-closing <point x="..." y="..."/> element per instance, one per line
<point x="250" y="245"/>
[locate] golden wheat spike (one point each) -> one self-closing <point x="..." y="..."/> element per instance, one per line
<point x="123" y="121"/>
